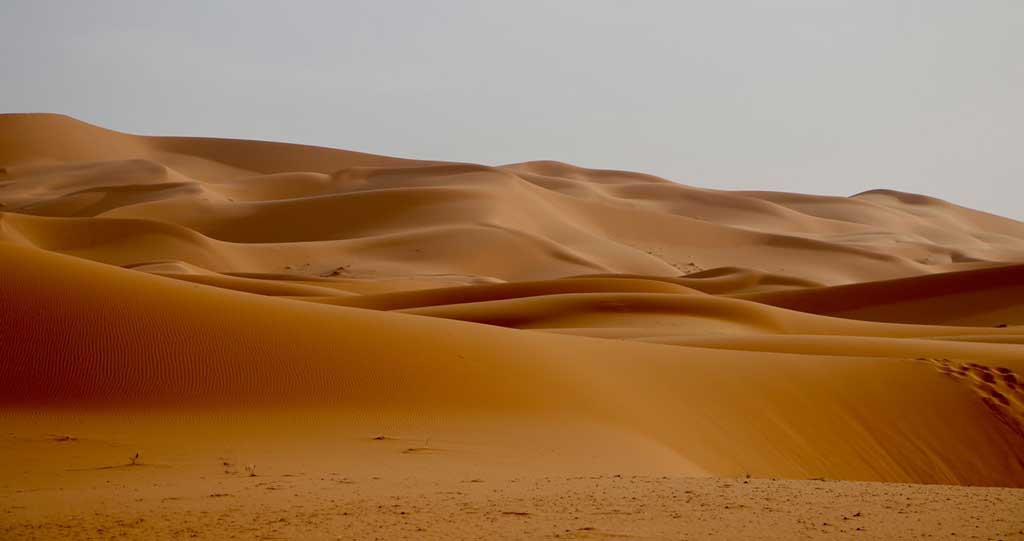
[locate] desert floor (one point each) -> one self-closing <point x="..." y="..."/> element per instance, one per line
<point x="391" y="487"/>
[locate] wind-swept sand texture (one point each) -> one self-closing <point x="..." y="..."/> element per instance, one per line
<point x="380" y="329"/>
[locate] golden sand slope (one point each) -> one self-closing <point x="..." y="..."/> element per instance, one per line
<point x="539" y="314"/>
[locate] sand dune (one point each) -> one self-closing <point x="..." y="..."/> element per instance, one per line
<point x="328" y="209"/>
<point x="109" y="346"/>
<point x="538" y="317"/>
<point x="983" y="297"/>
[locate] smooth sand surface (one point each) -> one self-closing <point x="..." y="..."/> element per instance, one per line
<point x="402" y="348"/>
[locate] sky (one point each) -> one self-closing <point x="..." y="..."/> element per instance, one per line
<point x="817" y="96"/>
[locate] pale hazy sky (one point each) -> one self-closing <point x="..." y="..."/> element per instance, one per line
<point x="817" y="96"/>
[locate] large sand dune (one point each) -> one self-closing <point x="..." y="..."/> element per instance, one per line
<point x="532" y="318"/>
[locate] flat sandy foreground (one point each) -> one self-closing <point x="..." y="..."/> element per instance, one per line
<point x="337" y="507"/>
<point x="349" y="487"/>
<point x="221" y="338"/>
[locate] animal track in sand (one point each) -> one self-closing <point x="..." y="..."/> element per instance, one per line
<point x="421" y="450"/>
<point x="999" y="387"/>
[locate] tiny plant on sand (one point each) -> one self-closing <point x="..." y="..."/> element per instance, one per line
<point x="251" y="470"/>
<point x="134" y="461"/>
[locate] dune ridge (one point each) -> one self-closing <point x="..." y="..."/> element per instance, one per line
<point x="876" y="337"/>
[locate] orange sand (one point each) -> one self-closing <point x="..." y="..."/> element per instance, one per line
<point x="204" y="302"/>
